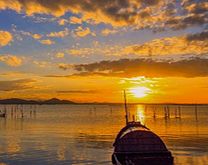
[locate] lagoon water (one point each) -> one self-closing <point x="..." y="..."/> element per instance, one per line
<point x="83" y="134"/>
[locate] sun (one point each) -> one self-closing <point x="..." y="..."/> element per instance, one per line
<point x="140" y="92"/>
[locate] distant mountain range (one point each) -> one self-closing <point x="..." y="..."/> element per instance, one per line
<point x="22" y="101"/>
<point x="58" y="101"/>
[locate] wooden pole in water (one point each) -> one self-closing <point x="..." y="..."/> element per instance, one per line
<point x="21" y="111"/>
<point x="111" y="110"/>
<point x="196" y="112"/>
<point x="12" y="108"/>
<point x="5" y="110"/>
<point x="165" y="112"/>
<point x="175" y="112"/>
<point x="125" y="106"/>
<point x="154" y="112"/>
<point x="34" y="111"/>
<point x="168" y="109"/>
<point x="179" y="111"/>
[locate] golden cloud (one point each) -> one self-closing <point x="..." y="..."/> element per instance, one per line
<point x="65" y="66"/>
<point x="20" y="84"/>
<point x="140" y="13"/>
<point x="148" y="67"/>
<point x="26" y="33"/>
<point x="60" y="34"/>
<point x="37" y="36"/>
<point x="62" y="22"/>
<point x="194" y="44"/>
<point x="75" y="20"/>
<point x="81" y="52"/>
<point x="11" y="60"/>
<point x="10" y="4"/>
<point x="81" y="32"/>
<point x="170" y="46"/>
<point x="105" y="50"/>
<point x="5" y="38"/>
<point x="47" y="42"/>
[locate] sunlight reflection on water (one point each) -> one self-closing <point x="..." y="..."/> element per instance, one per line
<point x="140" y="116"/>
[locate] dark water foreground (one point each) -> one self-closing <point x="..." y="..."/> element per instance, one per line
<point x="83" y="134"/>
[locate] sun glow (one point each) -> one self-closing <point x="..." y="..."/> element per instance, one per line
<point x="140" y="91"/>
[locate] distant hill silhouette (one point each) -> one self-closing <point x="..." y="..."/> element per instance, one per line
<point x="57" y="101"/>
<point x="22" y="101"/>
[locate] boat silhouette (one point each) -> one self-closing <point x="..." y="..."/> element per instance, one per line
<point x="135" y="144"/>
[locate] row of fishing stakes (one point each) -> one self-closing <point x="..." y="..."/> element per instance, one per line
<point x="167" y="113"/>
<point x="177" y="111"/>
<point x="20" y="111"/>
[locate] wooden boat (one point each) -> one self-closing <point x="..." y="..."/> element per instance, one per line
<point x="135" y="144"/>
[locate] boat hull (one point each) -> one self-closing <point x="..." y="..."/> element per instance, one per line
<point x="135" y="144"/>
<point x="142" y="159"/>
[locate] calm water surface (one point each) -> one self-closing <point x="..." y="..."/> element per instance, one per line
<point x="83" y="134"/>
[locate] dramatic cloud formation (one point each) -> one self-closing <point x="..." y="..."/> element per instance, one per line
<point x="141" y="13"/>
<point x="203" y="36"/>
<point x="14" y="85"/>
<point x="194" y="13"/>
<point x="194" y="44"/>
<point x="193" y="67"/>
<point x="11" y="60"/>
<point x="5" y="38"/>
<point x="64" y="38"/>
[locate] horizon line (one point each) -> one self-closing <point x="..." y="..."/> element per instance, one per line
<point x="147" y="103"/>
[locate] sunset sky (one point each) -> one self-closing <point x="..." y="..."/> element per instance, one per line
<point x="90" y="50"/>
